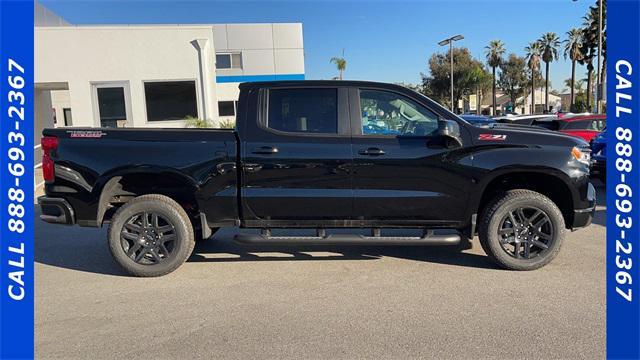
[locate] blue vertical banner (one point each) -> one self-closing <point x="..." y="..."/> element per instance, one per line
<point x="623" y="179"/>
<point x="16" y="179"/>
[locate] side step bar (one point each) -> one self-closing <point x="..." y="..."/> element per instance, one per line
<point x="429" y="238"/>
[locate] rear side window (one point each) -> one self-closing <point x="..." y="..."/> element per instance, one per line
<point x="551" y="125"/>
<point x="303" y="110"/>
<point x="580" y="125"/>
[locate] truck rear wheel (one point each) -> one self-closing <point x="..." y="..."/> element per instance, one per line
<point x="521" y="230"/>
<point x="151" y="235"/>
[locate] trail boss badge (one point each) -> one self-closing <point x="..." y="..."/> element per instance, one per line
<point x="85" y="134"/>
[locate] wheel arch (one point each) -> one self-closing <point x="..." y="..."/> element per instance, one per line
<point x="118" y="187"/>
<point x="549" y="182"/>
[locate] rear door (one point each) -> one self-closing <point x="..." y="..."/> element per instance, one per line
<point x="297" y="156"/>
<point x="401" y="172"/>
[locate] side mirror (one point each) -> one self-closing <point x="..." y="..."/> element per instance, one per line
<point x="450" y="130"/>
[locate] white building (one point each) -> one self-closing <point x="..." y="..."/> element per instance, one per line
<point x="154" y="75"/>
<point x="555" y="103"/>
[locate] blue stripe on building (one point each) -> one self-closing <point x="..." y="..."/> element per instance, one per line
<point x="253" y="78"/>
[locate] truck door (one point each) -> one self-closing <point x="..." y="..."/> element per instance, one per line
<point x="400" y="168"/>
<point x="297" y="156"/>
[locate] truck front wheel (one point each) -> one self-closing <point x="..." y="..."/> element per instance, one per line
<point x="151" y="235"/>
<point x="521" y="230"/>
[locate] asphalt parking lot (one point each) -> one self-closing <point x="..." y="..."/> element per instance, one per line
<point x="242" y="302"/>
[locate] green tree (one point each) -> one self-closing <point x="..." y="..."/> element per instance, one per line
<point x="494" y="52"/>
<point x="341" y="64"/>
<point x="580" y="100"/>
<point x="437" y="84"/>
<point x="480" y="81"/>
<point x="573" y="51"/>
<point x="533" y="55"/>
<point x="580" y="105"/>
<point x="513" y="80"/>
<point x="550" y="43"/>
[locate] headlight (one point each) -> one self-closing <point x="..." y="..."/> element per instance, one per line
<point x="582" y="155"/>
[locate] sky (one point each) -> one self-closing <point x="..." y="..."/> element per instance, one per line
<point x="388" y="41"/>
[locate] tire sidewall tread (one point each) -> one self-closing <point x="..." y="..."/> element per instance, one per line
<point x="165" y="206"/>
<point x="493" y="214"/>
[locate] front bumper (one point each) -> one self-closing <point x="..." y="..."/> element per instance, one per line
<point x="56" y="211"/>
<point x="584" y="217"/>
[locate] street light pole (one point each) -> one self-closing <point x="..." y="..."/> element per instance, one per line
<point x="449" y="41"/>
<point x="451" y="58"/>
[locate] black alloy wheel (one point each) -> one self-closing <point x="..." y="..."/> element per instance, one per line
<point x="526" y="232"/>
<point x="148" y="238"/>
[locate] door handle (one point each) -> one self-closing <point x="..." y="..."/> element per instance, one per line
<point x="265" y="150"/>
<point x="371" y="151"/>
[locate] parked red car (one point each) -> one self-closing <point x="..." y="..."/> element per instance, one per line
<point x="586" y="127"/>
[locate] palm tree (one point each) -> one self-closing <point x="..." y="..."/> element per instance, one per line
<point x="590" y="46"/>
<point x="341" y="64"/>
<point x="573" y="51"/>
<point x="550" y="43"/>
<point x="534" y="53"/>
<point x="578" y="84"/>
<point x="494" y="52"/>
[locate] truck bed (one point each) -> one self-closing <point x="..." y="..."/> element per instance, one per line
<point x="200" y="161"/>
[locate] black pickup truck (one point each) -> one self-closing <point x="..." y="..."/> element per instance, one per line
<point x="321" y="155"/>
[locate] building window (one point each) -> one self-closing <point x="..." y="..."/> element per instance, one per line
<point x="229" y="61"/>
<point x="303" y="110"/>
<point x="67" y="117"/>
<point x="226" y="108"/>
<point x="170" y="100"/>
<point x="112" y="106"/>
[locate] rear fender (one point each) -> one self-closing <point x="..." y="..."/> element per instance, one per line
<point x="113" y="184"/>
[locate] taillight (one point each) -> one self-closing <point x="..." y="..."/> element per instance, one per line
<point x="48" y="143"/>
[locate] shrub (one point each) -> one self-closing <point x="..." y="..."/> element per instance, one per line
<point x="197" y="123"/>
<point x="227" y="124"/>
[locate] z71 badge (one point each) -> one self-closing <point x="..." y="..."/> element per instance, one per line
<point x="492" y="137"/>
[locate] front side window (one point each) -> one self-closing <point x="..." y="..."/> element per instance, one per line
<point x="387" y="113"/>
<point x="303" y="110"/>
<point x="170" y="100"/>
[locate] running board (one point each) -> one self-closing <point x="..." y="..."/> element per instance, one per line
<point x="429" y="238"/>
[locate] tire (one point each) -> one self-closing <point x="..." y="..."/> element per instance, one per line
<point x="498" y="234"/>
<point x="156" y="249"/>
